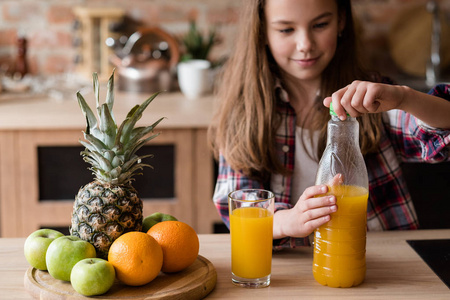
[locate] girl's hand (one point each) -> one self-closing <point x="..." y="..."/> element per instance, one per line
<point x="362" y="97"/>
<point x="312" y="210"/>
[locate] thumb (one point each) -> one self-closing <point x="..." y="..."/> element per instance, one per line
<point x="327" y="101"/>
<point x="338" y="179"/>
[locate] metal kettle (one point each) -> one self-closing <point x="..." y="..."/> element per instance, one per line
<point x="147" y="62"/>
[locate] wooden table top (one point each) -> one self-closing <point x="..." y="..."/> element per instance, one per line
<point x="394" y="270"/>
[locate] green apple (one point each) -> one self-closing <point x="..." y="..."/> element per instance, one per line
<point x="36" y="244"/>
<point x="92" y="276"/>
<point x="64" y="252"/>
<point x="154" y="219"/>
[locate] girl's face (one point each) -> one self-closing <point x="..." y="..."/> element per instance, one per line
<point x="302" y="35"/>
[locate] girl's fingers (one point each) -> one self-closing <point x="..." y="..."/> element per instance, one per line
<point x="327" y="101"/>
<point x="346" y="101"/>
<point x="318" y="202"/>
<point x="316" y="223"/>
<point x="316" y="217"/>
<point x="357" y="98"/>
<point x="371" y="102"/>
<point x="338" y="179"/>
<point x="357" y="102"/>
<point x="312" y="210"/>
<point x="315" y="207"/>
<point x="320" y="212"/>
<point x="314" y="190"/>
<point x="354" y="102"/>
<point x="337" y="106"/>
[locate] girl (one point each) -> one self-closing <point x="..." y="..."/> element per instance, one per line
<point x="270" y="128"/>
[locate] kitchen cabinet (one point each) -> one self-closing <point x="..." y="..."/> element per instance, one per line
<point x="31" y="128"/>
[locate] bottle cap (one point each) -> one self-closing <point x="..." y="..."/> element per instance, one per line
<point x="332" y="110"/>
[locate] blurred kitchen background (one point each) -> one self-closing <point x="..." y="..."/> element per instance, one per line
<point x="397" y="34"/>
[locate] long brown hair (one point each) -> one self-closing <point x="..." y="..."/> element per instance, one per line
<point x="244" y="126"/>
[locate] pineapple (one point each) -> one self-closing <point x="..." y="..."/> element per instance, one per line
<point x="109" y="206"/>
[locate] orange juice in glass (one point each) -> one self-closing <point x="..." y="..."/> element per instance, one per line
<point x="251" y="229"/>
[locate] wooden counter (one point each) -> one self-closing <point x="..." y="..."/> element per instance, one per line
<point x="28" y="112"/>
<point x="394" y="271"/>
<point x="29" y="122"/>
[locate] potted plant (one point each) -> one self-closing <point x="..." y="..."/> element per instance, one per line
<point x="197" y="46"/>
<point x="194" y="69"/>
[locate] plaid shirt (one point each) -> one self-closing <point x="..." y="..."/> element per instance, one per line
<point x="405" y="139"/>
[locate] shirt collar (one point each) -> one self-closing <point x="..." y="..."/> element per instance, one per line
<point x="281" y="92"/>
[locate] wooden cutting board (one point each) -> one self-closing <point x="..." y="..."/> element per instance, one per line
<point x="195" y="282"/>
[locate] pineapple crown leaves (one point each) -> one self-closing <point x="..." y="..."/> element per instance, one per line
<point x="111" y="150"/>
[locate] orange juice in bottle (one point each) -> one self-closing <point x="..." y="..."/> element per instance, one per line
<point x="340" y="244"/>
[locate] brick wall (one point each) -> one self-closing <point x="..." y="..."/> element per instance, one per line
<point x="48" y="25"/>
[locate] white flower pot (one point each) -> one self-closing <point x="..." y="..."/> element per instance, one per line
<point x="194" y="78"/>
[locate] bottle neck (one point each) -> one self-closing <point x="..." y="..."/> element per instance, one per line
<point x="346" y="131"/>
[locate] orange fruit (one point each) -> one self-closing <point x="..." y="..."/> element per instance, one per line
<point x="179" y="243"/>
<point x="136" y="257"/>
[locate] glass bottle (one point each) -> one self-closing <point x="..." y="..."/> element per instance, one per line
<point x="21" y="67"/>
<point x="340" y="244"/>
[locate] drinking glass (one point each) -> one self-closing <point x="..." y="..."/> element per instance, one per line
<point x="251" y="229"/>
